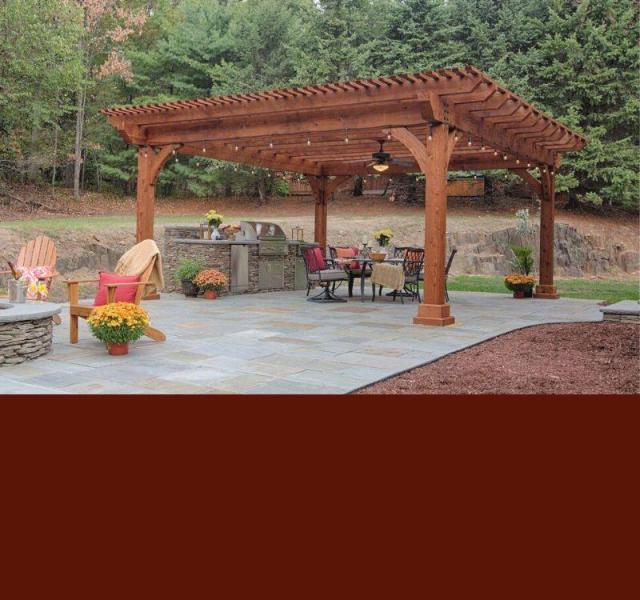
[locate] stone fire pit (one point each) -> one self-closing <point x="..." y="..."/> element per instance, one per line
<point x="25" y="330"/>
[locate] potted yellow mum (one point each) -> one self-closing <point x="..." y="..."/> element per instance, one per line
<point x="519" y="284"/>
<point x="118" y="324"/>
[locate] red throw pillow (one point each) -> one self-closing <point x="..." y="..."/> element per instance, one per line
<point x="125" y="293"/>
<point x="347" y="253"/>
<point x="320" y="264"/>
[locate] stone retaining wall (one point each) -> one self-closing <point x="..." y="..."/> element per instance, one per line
<point x="25" y="340"/>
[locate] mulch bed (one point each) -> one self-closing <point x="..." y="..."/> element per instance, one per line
<point x="572" y="358"/>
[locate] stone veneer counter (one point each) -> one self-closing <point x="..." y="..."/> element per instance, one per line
<point x="248" y="268"/>
<point x="25" y="330"/>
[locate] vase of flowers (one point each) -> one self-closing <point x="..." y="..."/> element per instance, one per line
<point x="117" y="324"/>
<point x="520" y="285"/>
<point x="383" y="237"/>
<point x="185" y="274"/>
<point x="214" y="219"/>
<point x="211" y="282"/>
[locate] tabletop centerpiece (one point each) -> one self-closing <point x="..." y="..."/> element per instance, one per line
<point x="117" y="324"/>
<point x="211" y="282"/>
<point x="383" y="237"/>
<point x="214" y="220"/>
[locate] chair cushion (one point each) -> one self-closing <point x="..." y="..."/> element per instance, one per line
<point x="348" y="253"/>
<point x="126" y="293"/>
<point x="328" y="275"/>
<point x="320" y="264"/>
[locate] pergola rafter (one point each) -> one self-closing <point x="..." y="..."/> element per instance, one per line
<point x="452" y="119"/>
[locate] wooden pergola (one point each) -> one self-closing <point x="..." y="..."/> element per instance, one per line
<point x="453" y="119"/>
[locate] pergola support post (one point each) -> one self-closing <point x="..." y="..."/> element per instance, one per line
<point x="149" y="164"/>
<point x="321" y="188"/>
<point x="546" y="288"/>
<point x="433" y="158"/>
<point x="545" y="190"/>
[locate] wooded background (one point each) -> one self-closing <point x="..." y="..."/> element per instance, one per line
<point x="63" y="60"/>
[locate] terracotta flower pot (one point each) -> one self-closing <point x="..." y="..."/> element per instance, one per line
<point x="118" y="349"/>
<point x="210" y="294"/>
<point x="518" y="294"/>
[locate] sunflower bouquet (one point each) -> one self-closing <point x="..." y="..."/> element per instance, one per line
<point x="214" y="218"/>
<point x="118" y="323"/>
<point x="383" y="236"/>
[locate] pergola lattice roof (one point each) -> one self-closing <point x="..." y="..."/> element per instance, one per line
<point x="304" y="129"/>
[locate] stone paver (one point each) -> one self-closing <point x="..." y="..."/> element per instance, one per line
<point x="277" y="343"/>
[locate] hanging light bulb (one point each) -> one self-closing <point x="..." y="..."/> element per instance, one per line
<point x="346" y="136"/>
<point x="236" y="148"/>
<point x="469" y="141"/>
<point x="528" y="165"/>
<point x="389" y="135"/>
<point x="271" y="144"/>
<point x="173" y="152"/>
<point x="483" y="147"/>
<point x="455" y="136"/>
<point x="517" y="161"/>
<point x="504" y="157"/>
<point x="429" y="134"/>
<point x="495" y="153"/>
<point x="146" y="154"/>
<point x="204" y="148"/>
<point x="308" y="141"/>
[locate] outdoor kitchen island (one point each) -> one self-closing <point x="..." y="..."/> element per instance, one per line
<point x="259" y="259"/>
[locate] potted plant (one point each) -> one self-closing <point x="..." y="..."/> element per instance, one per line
<point x="117" y="324"/>
<point x="185" y="273"/>
<point x="214" y="219"/>
<point x="211" y="282"/>
<point x="523" y="264"/>
<point x="383" y="237"/>
<point x="520" y="285"/>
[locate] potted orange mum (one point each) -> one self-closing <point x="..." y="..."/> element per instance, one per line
<point x="211" y="282"/>
<point x="520" y="285"/>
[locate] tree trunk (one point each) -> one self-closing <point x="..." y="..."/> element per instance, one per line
<point x="82" y="95"/>
<point x="55" y="157"/>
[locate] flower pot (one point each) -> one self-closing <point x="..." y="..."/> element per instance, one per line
<point x="189" y="288"/>
<point x="518" y="294"/>
<point x="528" y="293"/>
<point x="118" y="349"/>
<point x="210" y="294"/>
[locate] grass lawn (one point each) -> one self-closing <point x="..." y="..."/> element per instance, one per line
<point x="609" y="290"/>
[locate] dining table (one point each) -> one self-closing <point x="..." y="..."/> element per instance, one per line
<point x="364" y="262"/>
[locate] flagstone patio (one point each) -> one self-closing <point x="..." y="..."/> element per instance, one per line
<point x="277" y="343"/>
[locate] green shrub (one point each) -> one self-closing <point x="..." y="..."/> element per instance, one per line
<point x="188" y="269"/>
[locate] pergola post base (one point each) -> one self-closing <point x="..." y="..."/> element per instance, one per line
<point x="436" y="315"/>
<point x="546" y="291"/>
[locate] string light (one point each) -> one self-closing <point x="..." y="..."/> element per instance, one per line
<point x="504" y="157"/>
<point x="495" y="153"/>
<point x="469" y="141"/>
<point x="173" y="152"/>
<point x="483" y="147"/>
<point x="528" y="165"/>
<point x="271" y="144"/>
<point x="517" y="161"/>
<point x="455" y="136"/>
<point x="308" y="141"/>
<point x="429" y="136"/>
<point x="389" y="135"/>
<point x="204" y="147"/>
<point x="236" y="148"/>
<point x="346" y="136"/>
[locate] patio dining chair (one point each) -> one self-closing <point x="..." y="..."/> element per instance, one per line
<point x="412" y="267"/>
<point x="352" y="268"/>
<point x="447" y="268"/>
<point x="323" y="272"/>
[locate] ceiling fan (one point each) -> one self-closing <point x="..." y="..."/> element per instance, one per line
<point x="382" y="160"/>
